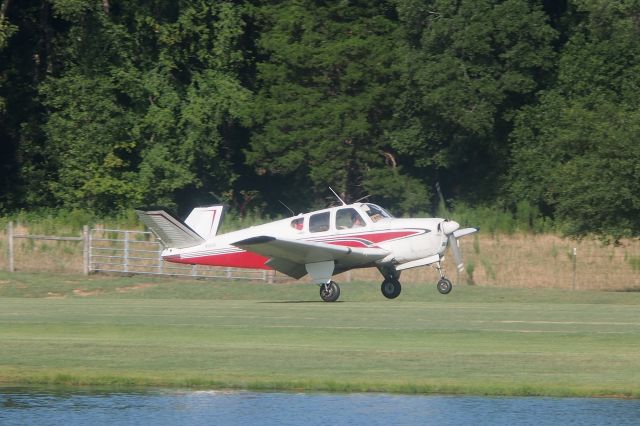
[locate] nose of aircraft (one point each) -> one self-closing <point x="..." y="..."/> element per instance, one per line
<point x="449" y="226"/>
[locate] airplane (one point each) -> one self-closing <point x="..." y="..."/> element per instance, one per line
<point x="320" y="243"/>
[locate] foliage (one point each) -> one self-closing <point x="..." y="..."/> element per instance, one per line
<point x="324" y="101"/>
<point x="500" y="220"/>
<point x="469" y="66"/>
<point x="576" y="154"/>
<point x="135" y="112"/>
<point x="6" y="31"/>
<point x="526" y="111"/>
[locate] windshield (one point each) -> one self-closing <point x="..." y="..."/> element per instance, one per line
<point x="376" y="212"/>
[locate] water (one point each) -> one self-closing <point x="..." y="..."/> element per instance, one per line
<point x="28" y="407"/>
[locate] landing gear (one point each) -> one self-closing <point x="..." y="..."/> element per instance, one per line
<point x="391" y="288"/>
<point x="444" y="285"/>
<point x="391" y="285"/>
<point x="329" y="292"/>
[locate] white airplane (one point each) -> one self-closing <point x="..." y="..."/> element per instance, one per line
<point x="321" y="243"/>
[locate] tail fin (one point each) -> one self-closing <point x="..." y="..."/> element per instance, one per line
<point x="170" y="231"/>
<point x="205" y="220"/>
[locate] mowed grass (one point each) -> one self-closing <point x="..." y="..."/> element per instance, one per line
<point x="113" y="331"/>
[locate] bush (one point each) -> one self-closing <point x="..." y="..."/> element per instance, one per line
<point x="499" y="220"/>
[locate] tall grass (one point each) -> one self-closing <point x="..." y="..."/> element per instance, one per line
<point x="491" y="219"/>
<point x="233" y="220"/>
<point x="62" y="222"/>
<point x="499" y="220"/>
<point x="516" y="249"/>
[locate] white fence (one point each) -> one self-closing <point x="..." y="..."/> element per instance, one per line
<point x="137" y="252"/>
<point x="128" y="252"/>
<point x="12" y="236"/>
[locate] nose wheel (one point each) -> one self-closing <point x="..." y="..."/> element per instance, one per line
<point x="444" y="286"/>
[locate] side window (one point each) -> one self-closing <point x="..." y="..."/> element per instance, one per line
<point x="348" y="218"/>
<point x="298" y="223"/>
<point x="319" y="222"/>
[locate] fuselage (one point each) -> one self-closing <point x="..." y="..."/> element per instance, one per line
<point x="360" y="225"/>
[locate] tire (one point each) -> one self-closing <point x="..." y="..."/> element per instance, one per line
<point x="330" y="292"/>
<point x="391" y="288"/>
<point x="444" y="286"/>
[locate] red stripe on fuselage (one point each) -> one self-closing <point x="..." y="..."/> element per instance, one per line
<point x="241" y="259"/>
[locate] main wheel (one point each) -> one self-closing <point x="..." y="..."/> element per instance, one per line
<point x="444" y="286"/>
<point x="390" y="288"/>
<point x="330" y="291"/>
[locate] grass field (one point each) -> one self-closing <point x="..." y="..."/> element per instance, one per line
<point x="110" y="331"/>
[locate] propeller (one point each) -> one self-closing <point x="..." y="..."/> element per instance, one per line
<point x="455" y="249"/>
<point x="448" y="227"/>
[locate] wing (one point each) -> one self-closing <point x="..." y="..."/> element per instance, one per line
<point x="291" y="256"/>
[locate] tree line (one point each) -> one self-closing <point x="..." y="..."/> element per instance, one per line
<point x="508" y="104"/>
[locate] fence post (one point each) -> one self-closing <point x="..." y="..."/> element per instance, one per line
<point x="126" y="251"/>
<point x="85" y="249"/>
<point x="575" y="255"/>
<point x="160" y="263"/>
<point x="10" y="239"/>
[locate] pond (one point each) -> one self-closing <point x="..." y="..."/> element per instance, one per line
<point x="20" y="406"/>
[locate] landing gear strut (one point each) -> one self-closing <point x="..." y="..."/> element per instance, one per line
<point x="329" y="292"/>
<point x="444" y="285"/>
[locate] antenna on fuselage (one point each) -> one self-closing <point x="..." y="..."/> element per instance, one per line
<point x="337" y="196"/>
<point x="287" y="207"/>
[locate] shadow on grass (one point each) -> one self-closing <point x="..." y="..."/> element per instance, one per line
<point x="315" y="302"/>
<point x="628" y="290"/>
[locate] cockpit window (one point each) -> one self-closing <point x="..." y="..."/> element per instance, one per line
<point x="348" y="218"/>
<point x="376" y="212"/>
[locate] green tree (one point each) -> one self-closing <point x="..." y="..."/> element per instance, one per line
<point x="137" y="111"/>
<point x="469" y="66"/>
<point x="576" y="154"/>
<point x="327" y="79"/>
<point x="6" y="31"/>
<point x="24" y="44"/>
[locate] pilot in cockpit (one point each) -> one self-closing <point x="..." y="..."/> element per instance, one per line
<point x="356" y="220"/>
